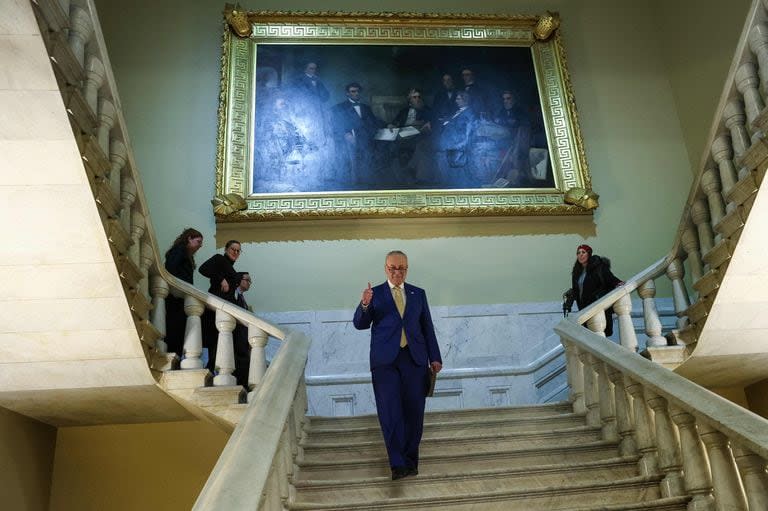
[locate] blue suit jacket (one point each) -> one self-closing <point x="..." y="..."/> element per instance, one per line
<point x="386" y="324"/>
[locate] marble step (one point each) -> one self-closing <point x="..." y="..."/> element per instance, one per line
<point x="490" y="425"/>
<point x="435" y="463"/>
<point x="462" y="480"/>
<point x="630" y="490"/>
<point x="450" y="444"/>
<point x="466" y="415"/>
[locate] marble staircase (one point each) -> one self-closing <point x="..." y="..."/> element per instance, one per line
<point x="542" y="457"/>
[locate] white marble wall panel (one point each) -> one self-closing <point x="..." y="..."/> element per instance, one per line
<point x="493" y="355"/>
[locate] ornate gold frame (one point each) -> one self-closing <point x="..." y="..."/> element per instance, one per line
<point x="572" y="194"/>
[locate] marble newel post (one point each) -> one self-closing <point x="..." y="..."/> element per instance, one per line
<point x="666" y="442"/>
<point x="597" y="323"/>
<point x="710" y="185"/>
<point x="257" y="338"/>
<point x="80" y="31"/>
<point x="647" y="292"/>
<point x="118" y="155"/>
<point x="698" y="479"/>
<point x="758" y="43"/>
<point x="752" y="468"/>
<point x="193" y="335"/>
<point x="690" y="241"/>
<point x="225" y="350"/>
<point x="648" y="464"/>
<point x="700" y="217"/>
<point x="722" y="153"/>
<point x="575" y="376"/>
<point x="159" y="290"/>
<point x="728" y="491"/>
<point x="675" y="273"/>
<point x="626" y="431"/>
<point x="591" y="393"/>
<point x="95" y="75"/>
<point x="623" y="309"/>
<point x="107" y="117"/>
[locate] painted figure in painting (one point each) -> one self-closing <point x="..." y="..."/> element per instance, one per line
<point x="355" y="127"/>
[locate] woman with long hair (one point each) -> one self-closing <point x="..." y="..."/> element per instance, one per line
<point x="591" y="278"/>
<point x="180" y="262"/>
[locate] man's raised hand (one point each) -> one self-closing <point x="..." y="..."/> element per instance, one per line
<point x="367" y="296"/>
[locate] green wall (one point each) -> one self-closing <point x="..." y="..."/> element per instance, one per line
<point x="166" y="58"/>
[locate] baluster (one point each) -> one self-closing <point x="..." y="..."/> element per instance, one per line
<point x="746" y="82"/>
<point x="597" y="323"/>
<point x="193" y="334"/>
<point x="675" y="273"/>
<point x="623" y="309"/>
<point x="647" y="292"/>
<point x="300" y="417"/>
<point x="575" y="376"/>
<point x="289" y="453"/>
<point x="723" y="154"/>
<point x="648" y="464"/>
<point x="710" y="185"/>
<point x="137" y="231"/>
<point x="107" y="116"/>
<point x="127" y="198"/>
<point x="690" y="242"/>
<point x="273" y="486"/>
<point x="258" y="339"/>
<point x="94" y="79"/>
<point x="626" y="431"/>
<point x="281" y="469"/>
<point x="666" y="442"/>
<point x="729" y="495"/>
<point x="225" y="352"/>
<point x="591" y="396"/>
<point x="700" y="217"/>
<point x="302" y="405"/>
<point x="160" y="292"/>
<point x="118" y="155"/>
<point x="752" y="470"/>
<point x="758" y="43"/>
<point x="734" y="119"/>
<point x="145" y="263"/>
<point x="698" y="479"/>
<point x="607" y="409"/>
<point x="80" y="31"/>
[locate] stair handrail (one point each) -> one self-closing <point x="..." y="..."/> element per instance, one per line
<point x="632" y="283"/>
<point x="249" y="468"/>
<point x="216" y="303"/>
<point x="705" y="446"/>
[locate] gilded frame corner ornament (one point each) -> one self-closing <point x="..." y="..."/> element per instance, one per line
<point x="235" y="199"/>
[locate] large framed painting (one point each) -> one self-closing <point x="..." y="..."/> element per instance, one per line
<point x="394" y="114"/>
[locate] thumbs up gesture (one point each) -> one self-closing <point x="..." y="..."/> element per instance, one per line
<point x="367" y="296"/>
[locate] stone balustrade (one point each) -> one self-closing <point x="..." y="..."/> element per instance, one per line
<point x="81" y="64"/>
<point x="704" y="446"/>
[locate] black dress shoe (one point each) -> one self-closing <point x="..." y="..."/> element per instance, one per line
<point x="399" y="473"/>
<point x="412" y="471"/>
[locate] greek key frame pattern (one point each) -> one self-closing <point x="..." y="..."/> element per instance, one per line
<point x="282" y="31"/>
<point x="233" y="173"/>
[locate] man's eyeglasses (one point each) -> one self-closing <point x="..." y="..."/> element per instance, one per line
<point x="234" y="250"/>
<point x="393" y="269"/>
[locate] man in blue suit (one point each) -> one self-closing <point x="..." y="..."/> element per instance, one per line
<point x="403" y="351"/>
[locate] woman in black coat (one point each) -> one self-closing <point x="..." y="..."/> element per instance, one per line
<point x="591" y="278"/>
<point x="220" y="270"/>
<point x="180" y="262"/>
